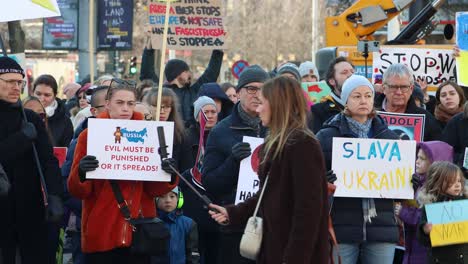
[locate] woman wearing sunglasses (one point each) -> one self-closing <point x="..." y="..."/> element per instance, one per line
<point x="106" y="235"/>
<point x="83" y="109"/>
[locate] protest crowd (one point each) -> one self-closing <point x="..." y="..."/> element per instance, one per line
<point x="372" y="172"/>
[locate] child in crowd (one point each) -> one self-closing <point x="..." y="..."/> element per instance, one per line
<point x="410" y="213"/>
<point x="445" y="182"/>
<point x="183" y="246"/>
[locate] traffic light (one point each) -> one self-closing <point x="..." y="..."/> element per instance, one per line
<point x="133" y="66"/>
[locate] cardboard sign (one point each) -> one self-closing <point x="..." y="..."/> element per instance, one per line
<point x="462" y="43"/>
<point x="248" y="182"/>
<point x="127" y="149"/>
<point x="115" y="24"/>
<point x="62" y="32"/>
<point x="406" y="126"/>
<point x="449" y="222"/>
<point x="192" y="26"/>
<point x="373" y="168"/>
<point x="28" y="9"/>
<point x="316" y="90"/>
<point x="434" y="65"/>
<point x="61" y="154"/>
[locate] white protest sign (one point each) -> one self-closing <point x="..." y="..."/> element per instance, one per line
<point x="248" y="183"/>
<point x="127" y="149"/>
<point x="465" y="159"/>
<point x="434" y="65"/>
<point x="373" y="168"/>
<point x="29" y="9"/>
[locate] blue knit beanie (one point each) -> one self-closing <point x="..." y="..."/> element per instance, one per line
<point x="353" y="82"/>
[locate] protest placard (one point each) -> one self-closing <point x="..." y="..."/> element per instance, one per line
<point x="127" y="149"/>
<point x="373" y="168"/>
<point x="62" y="32"/>
<point x="316" y="90"/>
<point x="449" y="222"/>
<point x="248" y="182"/>
<point x="192" y="24"/>
<point x="28" y="9"/>
<point x="406" y="126"/>
<point x="462" y="42"/>
<point x="433" y="65"/>
<point x="465" y="159"/>
<point x="115" y="24"/>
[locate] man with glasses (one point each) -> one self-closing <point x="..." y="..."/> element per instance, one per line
<point x="398" y="85"/>
<point x="339" y="70"/>
<point x="23" y="225"/>
<point x="225" y="150"/>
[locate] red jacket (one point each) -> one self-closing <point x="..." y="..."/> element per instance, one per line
<point x="103" y="226"/>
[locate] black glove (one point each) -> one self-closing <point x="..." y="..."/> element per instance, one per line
<point x="331" y="176"/>
<point x="241" y="151"/>
<point x="87" y="163"/>
<point x="29" y="130"/>
<point x="55" y="209"/>
<point x="416" y="181"/>
<point x="166" y="166"/>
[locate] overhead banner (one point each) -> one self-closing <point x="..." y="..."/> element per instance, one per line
<point x="449" y="222"/>
<point x="433" y="65"/>
<point x="373" y="168"/>
<point x="316" y="90"/>
<point x="127" y="149"/>
<point x="462" y="42"/>
<point x="193" y="25"/>
<point x="115" y="24"/>
<point x="248" y="182"/>
<point x="406" y="126"/>
<point x="62" y="32"/>
<point x="28" y="9"/>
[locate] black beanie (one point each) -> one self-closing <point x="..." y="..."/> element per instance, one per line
<point x="174" y="68"/>
<point x="251" y="74"/>
<point x="9" y="65"/>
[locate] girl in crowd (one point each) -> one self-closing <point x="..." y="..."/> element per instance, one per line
<point x="84" y="108"/>
<point x="445" y="182"/>
<point x="169" y="106"/>
<point x="106" y="235"/>
<point x="60" y="126"/>
<point x="230" y="91"/>
<point x="449" y="102"/>
<point x="364" y="227"/>
<point x="410" y="213"/>
<point x="294" y="205"/>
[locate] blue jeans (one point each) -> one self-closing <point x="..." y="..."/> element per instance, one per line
<point x="367" y="252"/>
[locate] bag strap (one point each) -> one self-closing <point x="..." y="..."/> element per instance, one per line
<point x="261" y="196"/>
<point x="121" y="203"/>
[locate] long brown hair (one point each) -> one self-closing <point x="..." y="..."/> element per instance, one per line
<point x="458" y="89"/>
<point x="170" y="98"/>
<point x="440" y="176"/>
<point x="288" y="108"/>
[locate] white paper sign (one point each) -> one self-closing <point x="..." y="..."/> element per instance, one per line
<point x="373" y="168"/>
<point x="248" y="183"/>
<point x="128" y="149"/>
<point x="28" y="9"/>
<point x="434" y="65"/>
<point x="465" y="159"/>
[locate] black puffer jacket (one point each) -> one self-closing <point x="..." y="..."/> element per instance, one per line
<point x="456" y="135"/>
<point x="60" y="126"/>
<point x="323" y="111"/>
<point x="432" y="130"/>
<point x="347" y="213"/>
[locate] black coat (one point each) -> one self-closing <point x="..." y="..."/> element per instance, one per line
<point x="60" y="126"/>
<point x="347" y="212"/>
<point x="323" y="111"/>
<point x="432" y="129"/>
<point x="456" y="135"/>
<point x="23" y="208"/>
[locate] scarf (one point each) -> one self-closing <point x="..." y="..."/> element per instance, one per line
<point x="443" y="114"/>
<point x="337" y="99"/>
<point x="50" y="110"/>
<point x="362" y="131"/>
<point x="252" y="122"/>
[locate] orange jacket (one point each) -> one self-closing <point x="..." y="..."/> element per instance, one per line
<point x="103" y="227"/>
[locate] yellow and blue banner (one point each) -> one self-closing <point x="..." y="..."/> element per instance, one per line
<point x="449" y="222"/>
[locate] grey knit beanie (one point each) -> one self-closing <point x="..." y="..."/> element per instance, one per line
<point x="290" y="68"/>
<point x="200" y="103"/>
<point x="353" y="82"/>
<point x="251" y="74"/>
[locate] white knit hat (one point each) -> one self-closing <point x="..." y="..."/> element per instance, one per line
<point x="200" y="103"/>
<point x="306" y="67"/>
<point x="353" y="82"/>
